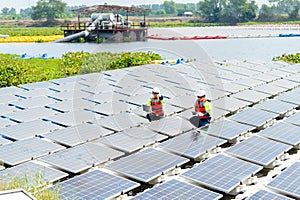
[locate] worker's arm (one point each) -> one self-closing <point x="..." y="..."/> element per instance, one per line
<point x="161" y="99"/>
<point x="149" y="102"/>
<point x="208" y="110"/>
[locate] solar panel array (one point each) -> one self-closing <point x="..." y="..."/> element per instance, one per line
<point x="77" y="124"/>
<point x="263" y="194"/>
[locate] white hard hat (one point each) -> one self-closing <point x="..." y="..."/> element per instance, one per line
<point x="201" y="93"/>
<point x="156" y="90"/>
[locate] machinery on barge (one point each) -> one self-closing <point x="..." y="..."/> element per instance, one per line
<point x="107" y="23"/>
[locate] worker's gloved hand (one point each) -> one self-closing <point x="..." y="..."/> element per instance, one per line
<point x="161" y="98"/>
<point x="200" y="114"/>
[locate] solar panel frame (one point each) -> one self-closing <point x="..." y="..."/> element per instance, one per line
<point x="266" y="77"/>
<point x="70" y="105"/>
<point x="293" y="119"/>
<point x="222" y="173"/>
<point x="146" y="165"/>
<point x="32" y="172"/>
<point x="32" y="102"/>
<point x="8" y="98"/>
<point x="112" y="108"/>
<point x="250" y="82"/>
<point x="175" y="189"/>
<point x="286" y="83"/>
<point x="5" y="109"/>
<point x="283" y="132"/>
<point x="191" y="144"/>
<point x="270" y="88"/>
<point x="28" y="129"/>
<point x="251" y="96"/>
<point x="81" y="157"/>
<point x="288" y="182"/>
<point x="75" y="135"/>
<point x="258" y="150"/>
<point x="95" y="184"/>
<point x="254" y="117"/>
<point x="132" y="139"/>
<point x="25" y="150"/>
<point x="266" y="195"/>
<point x="230" y="104"/>
<point x="227" y="129"/>
<point x="290" y="97"/>
<point x="34" y="92"/>
<point x="171" y="126"/>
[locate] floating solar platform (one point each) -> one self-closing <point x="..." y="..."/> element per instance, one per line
<point x="82" y="157"/>
<point x="254" y="117"/>
<point x="25" y="150"/>
<point x="250" y="82"/>
<point x="259" y="150"/>
<point x="218" y="113"/>
<point x="231" y="87"/>
<point x="288" y="182"/>
<point x="78" y="134"/>
<point x="290" y="97"/>
<point x="294" y="77"/>
<point x="214" y="94"/>
<point x="231" y="77"/>
<point x="283" y="132"/>
<point x="267" y="195"/>
<point x="270" y="89"/>
<point x="4" y="122"/>
<point x="71" y="105"/>
<point x="251" y="96"/>
<point x="4" y="141"/>
<point x="32" y="102"/>
<point x="286" y="84"/>
<point x="192" y="144"/>
<point x="9" y="90"/>
<point x="35" y="174"/>
<point x="132" y="139"/>
<point x="8" y="98"/>
<point x="34" y="93"/>
<point x="266" y="77"/>
<point x="112" y="108"/>
<point x="73" y="118"/>
<point x="275" y="106"/>
<point x="30" y="114"/>
<point x="37" y="85"/>
<point x="5" y="108"/>
<point x="184" y="101"/>
<point x="146" y="165"/>
<point x="28" y="129"/>
<point x="230" y="104"/>
<point x="106" y="97"/>
<point x="120" y="121"/>
<point x="175" y="189"/>
<point x="171" y="126"/>
<point x="69" y="95"/>
<point x="291" y="68"/>
<point x="227" y="129"/>
<point x="279" y="73"/>
<point x="222" y="173"/>
<point x="95" y="184"/>
<point x="294" y="119"/>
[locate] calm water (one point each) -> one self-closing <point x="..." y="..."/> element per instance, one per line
<point x="258" y="49"/>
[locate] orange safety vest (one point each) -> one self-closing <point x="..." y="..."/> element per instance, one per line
<point x="157" y="107"/>
<point x="200" y="108"/>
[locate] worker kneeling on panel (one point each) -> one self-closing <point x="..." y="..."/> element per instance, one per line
<point x="203" y="109"/>
<point x="156" y="104"/>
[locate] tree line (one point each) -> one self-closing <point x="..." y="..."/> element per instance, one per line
<point x="212" y="11"/>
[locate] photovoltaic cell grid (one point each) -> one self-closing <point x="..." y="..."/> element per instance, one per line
<point x="32" y="102"/>
<point x="146" y="165"/>
<point x="221" y="172"/>
<point x="171" y="126"/>
<point x="175" y="189"/>
<point x="27" y="130"/>
<point x="191" y="144"/>
<point x="95" y="184"/>
<point x="132" y="139"/>
<point x="253" y="117"/>
<point x="288" y="182"/>
<point x="25" y="150"/>
<point x="82" y="157"/>
<point x="259" y="150"/>
<point x="270" y="88"/>
<point x="250" y="95"/>
<point x="35" y="173"/>
<point x="283" y="132"/>
<point x="275" y="105"/>
<point x="230" y="104"/>
<point x="266" y="195"/>
<point x="227" y="129"/>
<point x="294" y="119"/>
<point x="290" y="97"/>
<point x="78" y="134"/>
<point x="70" y="105"/>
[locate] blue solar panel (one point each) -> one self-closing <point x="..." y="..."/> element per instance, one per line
<point x="266" y="195"/>
<point x="175" y="189"/>
<point x="288" y="182"/>
<point x="275" y="105"/>
<point x="95" y="184"/>
<point x="283" y="132"/>
<point x="258" y="150"/>
<point x="192" y="144"/>
<point x="250" y="96"/>
<point x="290" y="97"/>
<point x="227" y="129"/>
<point x="221" y="172"/>
<point x="146" y="165"/>
<point x="230" y="104"/>
<point x="269" y="88"/>
<point x="294" y="119"/>
<point x="253" y="117"/>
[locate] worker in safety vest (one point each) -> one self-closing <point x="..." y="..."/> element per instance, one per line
<point x="156" y="102"/>
<point x="203" y="109"/>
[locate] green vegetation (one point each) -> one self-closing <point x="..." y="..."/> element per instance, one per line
<point x="289" y="58"/>
<point x="15" y="71"/>
<point x="173" y="24"/>
<point x="31" y="31"/>
<point x="34" y="184"/>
